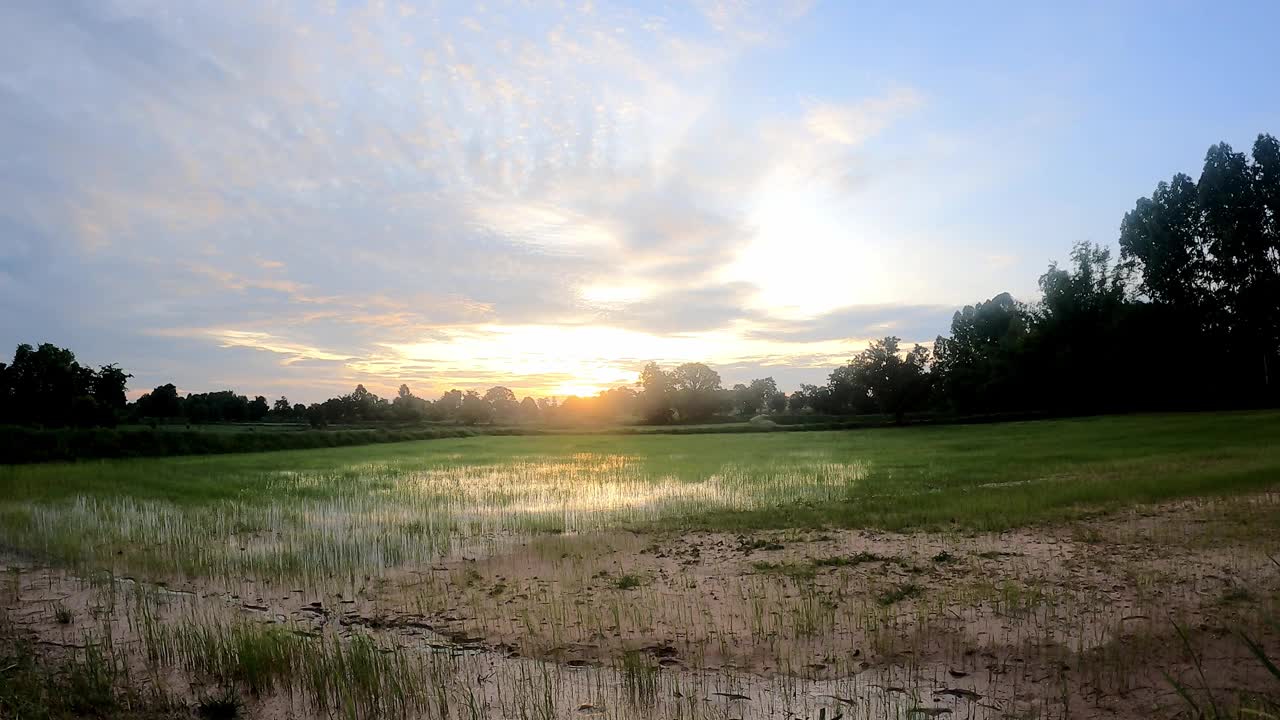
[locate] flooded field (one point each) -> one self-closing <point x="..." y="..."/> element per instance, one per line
<point x="967" y="572"/>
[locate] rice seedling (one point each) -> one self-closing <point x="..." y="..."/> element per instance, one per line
<point x="225" y="705"/>
<point x="898" y="593"/>
<point x="62" y="614"/>
<point x="573" y="576"/>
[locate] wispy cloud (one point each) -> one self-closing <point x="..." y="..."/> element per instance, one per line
<point x="387" y="191"/>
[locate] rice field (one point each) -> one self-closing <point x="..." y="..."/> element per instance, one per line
<point x="1099" y="567"/>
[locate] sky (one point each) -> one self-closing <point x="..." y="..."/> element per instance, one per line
<point x="289" y="198"/>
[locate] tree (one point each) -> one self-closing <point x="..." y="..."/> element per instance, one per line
<point x="449" y="404"/>
<point x="656" y="395"/>
<point x="1208" y="257"/>
<point x="749" y="400"/>
<point x="362" y="404"/>
<point x="220" y="406"/>
<point x="407" y="407"/>
<point x="846" y="392"/>
<point x="475" y="409"/>
<point x="1239" y="204"/>
<point x="503" y="402"/>
<point x="258" y="409"/>
<point x="894" y="381"/>
<point x="980" y="367"/>
<point x="6" y="394"/>
<point x="777" y="402"/>
<point x="109" y="385"/>
<point x="162" y="402"/>
<point x="697" y="392"/>
<point x="46" y="386"/>
<point x="45" y="383"/>
<point x="1162" y="238"/>
<point x="529" y="411"/>
<point x="618" y="403"/>
<point x="695" y="377"/>
<point x="1076" y="328"/>
<point x="802" y="399"/>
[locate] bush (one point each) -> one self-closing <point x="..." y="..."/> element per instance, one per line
<point x="30" y="445"/>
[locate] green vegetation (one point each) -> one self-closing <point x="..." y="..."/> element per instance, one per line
<point x="628" y="582"/>
<point x="898" y="593"/>
<point x="298" y="513"/>
<point x="28" y="445"/>
<point x="305" y="573"/>
<point x="92" y="681"/>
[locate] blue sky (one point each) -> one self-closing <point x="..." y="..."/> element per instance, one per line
<point x="293" y="197"/>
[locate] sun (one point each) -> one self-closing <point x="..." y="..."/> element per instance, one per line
<point x="578" y="389"/>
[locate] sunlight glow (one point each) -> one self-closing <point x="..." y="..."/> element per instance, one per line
<point x="608" y="293"/>
<point x="573" y="389"/>
<point x="584" y="359"/>
<point x="792" y="221"/>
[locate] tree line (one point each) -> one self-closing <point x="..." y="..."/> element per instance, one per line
<point x="1187" y="317"/>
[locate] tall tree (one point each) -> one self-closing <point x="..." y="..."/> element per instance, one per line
<point x="258" y="408"/>
<point x="449" y="404"/>
<point x="697" y="392"/>
<point x="1163" y="238"/>
<point x="162" y="402"/>
<point x="529" y="411"/>
<point x="896" y="382"/>
<point x="503" y="402"/>
<point x="475" y="409"/>
<point x="756" y="397"/>
<point x="108" y="386"/>
<point x="979" y="368"/>
<point x="656" y="394"/>
<point x="48" y="387"/>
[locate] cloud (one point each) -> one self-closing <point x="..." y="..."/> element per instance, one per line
<point x="855" y="123"/>
<point x="683" y="310"/>
<point x="912" y="323"/>
<point x="300" y="196"/>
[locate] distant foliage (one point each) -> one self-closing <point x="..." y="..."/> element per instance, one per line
<point x="46" y="386"/>
<point x="1189" y="317"/>
<point x="30" y="445"/>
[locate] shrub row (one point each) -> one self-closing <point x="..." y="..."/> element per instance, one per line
<point x="28" y="445"/>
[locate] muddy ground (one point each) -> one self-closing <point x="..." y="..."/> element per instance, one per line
<point x="1098" y="618"/>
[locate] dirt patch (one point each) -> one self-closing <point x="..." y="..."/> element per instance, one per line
<point x="1082" y="616"/>
<point x="1088" y="619"/>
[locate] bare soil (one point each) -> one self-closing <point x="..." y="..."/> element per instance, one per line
<point x="1092" y="619"/>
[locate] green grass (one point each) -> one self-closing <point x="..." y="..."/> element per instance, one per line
<point x="35" y="445"/>
<point x="358" y="509"/>
<point x="628" y="582"/>
<point x="89" y="682"/>
<point x="898" y="593"/>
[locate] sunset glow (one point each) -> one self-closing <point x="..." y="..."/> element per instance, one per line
<point x="295" y="198"/>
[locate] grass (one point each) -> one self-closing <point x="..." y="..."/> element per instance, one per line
<point x="628" y="582"/>
<point x="1202" y="702"/>
<point x="898" y="593"/>
<point x="223" y="706"/>
<point x="62" y="614"/>
<point x="499" y="522"/>
<point x="34" y="445"/>
<point x="88" y="682"/>
<point x="371" y="508"/>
